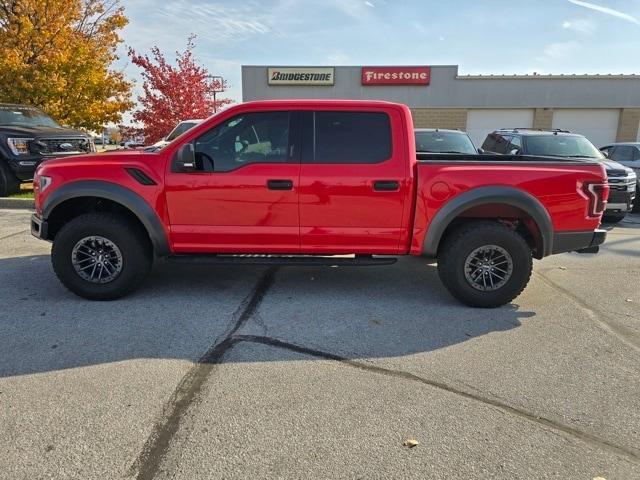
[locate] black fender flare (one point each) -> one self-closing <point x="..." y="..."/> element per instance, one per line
<point x="481" y="196"/>
<point x="116" y="193"/>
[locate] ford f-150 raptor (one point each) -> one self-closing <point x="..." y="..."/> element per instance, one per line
<point x="314" y="182"/>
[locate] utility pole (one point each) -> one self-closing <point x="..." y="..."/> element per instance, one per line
<point x="218" y="87"/>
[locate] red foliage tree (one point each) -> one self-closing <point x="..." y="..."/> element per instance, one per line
<point x="174" y="93"/>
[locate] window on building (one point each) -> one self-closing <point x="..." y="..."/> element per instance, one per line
<point x="348" y="137"/>
<point x="261" y="137"/>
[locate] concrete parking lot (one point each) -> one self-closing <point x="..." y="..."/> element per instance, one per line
<point x="252" y="372"/>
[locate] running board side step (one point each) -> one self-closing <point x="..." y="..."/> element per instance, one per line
<point x="293" y="260"/>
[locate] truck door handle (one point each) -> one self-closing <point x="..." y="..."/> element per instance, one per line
<point x="279" y="184"/>
<point x="386" y="186"/>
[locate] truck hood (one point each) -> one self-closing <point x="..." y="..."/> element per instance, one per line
<point x="116" y="156"/>
<point x="615" y="168"/>
<point x="41" y="132"/>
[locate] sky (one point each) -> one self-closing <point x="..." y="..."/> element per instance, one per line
<point x="481" y="36"/>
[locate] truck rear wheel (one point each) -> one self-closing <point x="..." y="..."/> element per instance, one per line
<point x="9" y="183"/>
<point x="101" y="256"/>
<point x="485" y="264"/>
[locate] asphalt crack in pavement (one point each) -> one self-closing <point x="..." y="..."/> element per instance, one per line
<point x="14" y="234"/>
<point x="628" y="453"/>
<point x="606" y="322"/>
<point x="148" y="462"/>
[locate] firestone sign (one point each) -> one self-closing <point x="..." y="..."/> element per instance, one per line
<point x="300" y="75"/>
<point x="396" y="75"/>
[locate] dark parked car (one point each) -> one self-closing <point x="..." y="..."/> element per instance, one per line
<point x="561" y="143"/>
<point x="27" y="137"/>
<point x="627" y="154"/>
<point x="437" y="140"/>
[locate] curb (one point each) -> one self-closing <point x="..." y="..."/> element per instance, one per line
<point x="17" y="203"/>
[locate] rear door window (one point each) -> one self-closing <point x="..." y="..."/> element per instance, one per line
<point x="347" y="137"/>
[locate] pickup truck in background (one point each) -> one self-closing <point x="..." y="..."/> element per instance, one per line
<point x="314" y="182"/>
<point x="28" y="136"/>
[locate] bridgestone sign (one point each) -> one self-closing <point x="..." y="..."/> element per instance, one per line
<point x="300" y="76"/>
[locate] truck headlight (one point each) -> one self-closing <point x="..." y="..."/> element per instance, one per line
<point x="19" y="146"/>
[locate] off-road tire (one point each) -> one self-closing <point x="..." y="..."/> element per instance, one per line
<point x="613" y="217"/>
<point x="460" y="244"/>
<point x="129" y="237"/>
<point x="9" y="183"/>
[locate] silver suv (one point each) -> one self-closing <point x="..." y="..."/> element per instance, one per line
<point x="627" y="154"/>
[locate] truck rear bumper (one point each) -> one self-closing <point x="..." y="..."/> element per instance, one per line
<point x="581" y="242"/>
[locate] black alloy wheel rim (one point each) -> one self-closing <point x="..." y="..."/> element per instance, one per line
<point x="97" y="259"/>
<point x="488" y="268"/>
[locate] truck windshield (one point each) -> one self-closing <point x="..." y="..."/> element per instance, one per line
<point x="25" y="117"/>
<point x="180" y="129"/>
<point x="561" y="146"/>
<point x="444" y="142"/>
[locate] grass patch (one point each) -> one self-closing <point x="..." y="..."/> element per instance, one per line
<point x="26" y="191"/>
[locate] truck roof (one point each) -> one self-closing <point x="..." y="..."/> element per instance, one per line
<point x="321" y="102"/>
<point x="445" y="130"/>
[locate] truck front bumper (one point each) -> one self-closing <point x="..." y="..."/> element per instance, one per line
<point x="581" y="242"/>
<point x="39" y="227"/>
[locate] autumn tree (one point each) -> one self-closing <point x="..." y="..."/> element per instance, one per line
<point x="174" y="92"/>
<point x="57" y="55"/>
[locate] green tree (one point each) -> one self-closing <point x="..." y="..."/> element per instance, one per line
<point x="57" y="55"/>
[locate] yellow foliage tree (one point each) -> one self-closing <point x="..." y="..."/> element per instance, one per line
<point x="57" y="55"/>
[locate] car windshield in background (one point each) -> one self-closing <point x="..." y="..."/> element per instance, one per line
<point x="561" y="146"/>
<point x="25" y="117"/>
<point x="180" y="129"/>
<point x="444" y="142"/>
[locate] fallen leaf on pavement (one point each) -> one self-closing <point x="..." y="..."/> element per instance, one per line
<point x="410" y="442"/>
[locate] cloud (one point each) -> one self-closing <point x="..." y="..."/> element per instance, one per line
<point x="558" y="51"/>
<point x="606" y="11"/>
<point x="581" y="25"/>
<point x="338" y="58"/>
<point x="369" y="4"/>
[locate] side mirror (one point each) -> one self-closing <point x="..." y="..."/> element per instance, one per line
<point x="481" y="151"/>
<point x="185" y="159"/>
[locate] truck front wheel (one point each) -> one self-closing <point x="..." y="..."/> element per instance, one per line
<point x="101" y="256"/>
<point x="485" y="264"/>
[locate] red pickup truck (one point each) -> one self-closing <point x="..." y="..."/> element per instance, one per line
<point x="298" y="182"/>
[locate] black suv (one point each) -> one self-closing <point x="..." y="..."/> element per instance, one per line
<point x="564" y="144"/>
<point x="27" y="137"/>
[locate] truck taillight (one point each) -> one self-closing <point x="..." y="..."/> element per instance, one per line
<point x="597" y="193"/>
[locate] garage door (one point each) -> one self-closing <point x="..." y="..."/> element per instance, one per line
<point x="599" y="126"/>
<point x="482" y="122"/>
